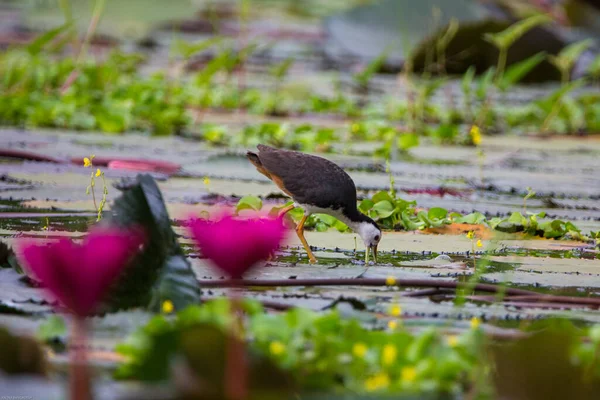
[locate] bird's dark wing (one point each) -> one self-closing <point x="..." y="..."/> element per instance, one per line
<point x="309" y="179"/>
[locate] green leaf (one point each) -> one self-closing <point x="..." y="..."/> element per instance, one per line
<point x="383" y="208"/>
<point x="382" y="196"/>
<point x="161" y="272"/>
<point x="249" y="202"/>
<point x="365" y="205"/>
<point x="363" y="77"/>
<point x="471" y="219"/>
<point x="450" y="33"/>
<point x="467" y="80"/>
<point x="594" y="67"/>
<point x="186" y="50"/>
<point x="321" y="227"/>
<point x="437" y="213"/>
<point x="41" y="41"/>
<point x="510" y="35"/>
<point x="279" y="71"/>
<point x="327" y="219"/>
<point x="569" y="55"/>
<point x="484" y="83"/>
<point x="407" y="141"/>
<point x="517" y="71"/>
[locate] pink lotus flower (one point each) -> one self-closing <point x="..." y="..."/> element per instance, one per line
<point x="235" y="245"/>
<point x="79" y="275"/>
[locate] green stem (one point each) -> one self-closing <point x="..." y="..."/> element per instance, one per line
<point x="501" y="64"/>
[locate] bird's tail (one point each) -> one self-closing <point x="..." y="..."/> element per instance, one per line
<point x="253" y="157"/>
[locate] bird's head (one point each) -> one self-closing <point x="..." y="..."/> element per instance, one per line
<point x="371" y="235"/>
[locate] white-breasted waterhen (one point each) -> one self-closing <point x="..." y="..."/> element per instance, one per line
<point x="319" y="187"/>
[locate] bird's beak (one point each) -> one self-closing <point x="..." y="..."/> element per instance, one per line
<point x="367" y="251"/>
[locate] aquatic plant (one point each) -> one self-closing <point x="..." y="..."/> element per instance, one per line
<point x="89" y="163"/>
<point x="505" y="39"/>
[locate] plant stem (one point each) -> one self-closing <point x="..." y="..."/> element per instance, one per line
<point x="92" y="188"/>
<point x="502" y="56"/>
<point x="80" y="385"/>
<point x="236" y="367"/>
<point x="97" y="13"/>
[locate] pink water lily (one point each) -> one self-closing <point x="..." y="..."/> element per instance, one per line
<point x="235" y="245"/>
<point x="78" y="276"/>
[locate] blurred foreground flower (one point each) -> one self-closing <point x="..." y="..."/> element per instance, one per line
<point x="236" y="245"/>
<point x="78" y="276"/>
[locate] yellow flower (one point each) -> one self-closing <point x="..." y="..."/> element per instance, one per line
<point x="392" y="325"/>
<point x="355" y="128"/>
<point x="377" y="382"/>
<point x="98" y="172"/>
<point x="395" y="310"/>
<point x="388" y="355"/>
<point x="359" y="350"/>
<point x="167" y="307"/>
<point x="276" y="348"/>
<point x="475" y="135"/>
<point x="390" y="281"/>
<point x="470" y="235"/>
<point x="475" y="322"/>
<point x="87" y="162"/>
<point x="479" y="244"/>
<point x="452" y="340"/>
<point x="206" y="181"/>
<point x="408" y="374"/>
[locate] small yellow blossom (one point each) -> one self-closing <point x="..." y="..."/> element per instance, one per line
<point x="395" y="310"/>
<point x="206" y="181"/>
<point x="408" y="374"/>
<point x="389" y="354"/>
<point x="475" y="322"/>
<point x="452" y="340"/>
<point x="479" y="244"/>
<point x="392" y="325"/>
<point x="87" y="162"/>
<point x="475" y="135"/>
<point x="276" y="348"/>
<point x="470" y="235"/>
<point x="98" y="172"/>
<point x="359" y="350"/>
<point x="355" y="128"/>
<point x="390" y="281"/>
<point x="377" y="382"/>
<point x="167" y="307"/>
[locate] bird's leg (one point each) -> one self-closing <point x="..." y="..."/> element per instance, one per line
<point x="281" y="213"/>
<point x="300" y="232"/>
<point x="285" y="210"/>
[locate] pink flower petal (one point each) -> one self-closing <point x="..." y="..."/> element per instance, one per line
<point x="236" y="245"/>
<point x="79" y="275"/>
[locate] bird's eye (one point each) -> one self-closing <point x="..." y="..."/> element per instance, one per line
<point x="377" y="238"/>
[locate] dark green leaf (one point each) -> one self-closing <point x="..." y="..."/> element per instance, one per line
<point x="161" y="272"/>
<point x="517" y="71"/>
